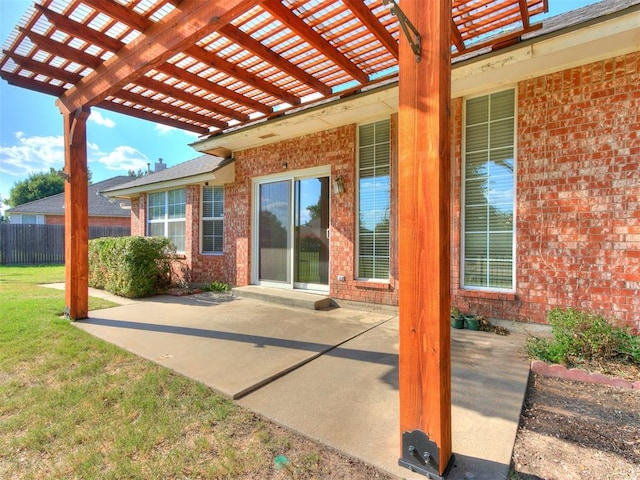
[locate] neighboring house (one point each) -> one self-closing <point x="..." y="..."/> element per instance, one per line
<point x="103" y="212"/>
<point x="546" y="183"/>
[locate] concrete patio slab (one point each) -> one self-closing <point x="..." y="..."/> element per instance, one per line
<point x="232" y="345"/>
<point x="348" y="399"/>
<point x="330" y="375"/>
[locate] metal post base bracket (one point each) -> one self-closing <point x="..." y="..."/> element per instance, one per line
<point x="420" y="455"/>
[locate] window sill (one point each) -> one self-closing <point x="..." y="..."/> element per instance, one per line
<point x="212" y="254"/>
<point x="372" y="284"/>
<point x="489" y="295"/>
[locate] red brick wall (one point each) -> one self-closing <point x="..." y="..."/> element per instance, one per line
<point x="93" y="221"/>
<point x="139" y="216"/>
<point x="336" y="148"/>
<point x="578" y="188"/>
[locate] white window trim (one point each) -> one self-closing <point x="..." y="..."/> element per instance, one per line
<point x="462" y="286"/>
<point x="166" y="220"/>
<point x="293" y="175"/>
<point x="356" y="259"/>
<point x="203" y="218"/>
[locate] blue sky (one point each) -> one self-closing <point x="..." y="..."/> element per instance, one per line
<point x="31" y="126"/>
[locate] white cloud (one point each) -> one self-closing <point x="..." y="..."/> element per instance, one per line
<point x="31" y="154"/>
<point x="164" y="129"/>
<point x="123" y="158"/>
<point x="167" y="130"/>
<point x="100" y="120"/>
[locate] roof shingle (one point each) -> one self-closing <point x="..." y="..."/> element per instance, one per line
<point x="99" y="206"/>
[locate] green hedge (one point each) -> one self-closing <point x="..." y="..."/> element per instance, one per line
<point x="131" y="267"/>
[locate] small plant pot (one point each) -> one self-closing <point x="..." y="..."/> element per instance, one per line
<point x="457" y="322"/>
<point x="472" y="323"/>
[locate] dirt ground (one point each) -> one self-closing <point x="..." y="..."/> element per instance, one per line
<point x="574" y="430"/>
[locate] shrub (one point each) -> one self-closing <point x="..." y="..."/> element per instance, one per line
<point x="216" y="287"/>
<point x="580" y="336"/>
<point x="131" y="267"/>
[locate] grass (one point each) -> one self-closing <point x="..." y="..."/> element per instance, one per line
<point x="73" y="406"/>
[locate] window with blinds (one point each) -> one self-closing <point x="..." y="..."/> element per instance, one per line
<point x="166" y="216"/>
<point x="489" y="192"/>
<point x="212" y="230"/>
<point x="374" y="169"/>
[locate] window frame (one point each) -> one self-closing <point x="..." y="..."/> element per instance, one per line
<point x="165" y="220"/>
<point x="359" y="276"/>
<point x="463" y="194"/>
<point x="213" y="219"/>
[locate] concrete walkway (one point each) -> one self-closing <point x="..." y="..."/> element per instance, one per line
<point x="330" y="375"/>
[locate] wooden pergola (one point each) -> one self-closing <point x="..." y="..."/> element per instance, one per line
<point x="218" y="65"/>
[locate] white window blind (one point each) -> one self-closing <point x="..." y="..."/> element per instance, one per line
<point x="212" y="219"/>
<point x="489" y="191"/>
<point x="374" y="200"/>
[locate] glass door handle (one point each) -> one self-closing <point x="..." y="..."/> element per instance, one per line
<point x="328" y="232"/>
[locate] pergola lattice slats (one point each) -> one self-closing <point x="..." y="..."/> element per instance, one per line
<point x="252" y="60"/>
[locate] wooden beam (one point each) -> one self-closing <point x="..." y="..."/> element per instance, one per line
<point x="502" y="40"/>
<point x="153" y="117"/>
<point x="31" y="84"/>
<point x="192" y="20"/>
<point x="40" y="68"/>
<point x="62" y="50"/>
<point x="184" y="96"/>
<point x="269" y="56"/>
<point x="141" y="23"/>
<point x="76" y="214"/>
<point x="524" y="13"/>
<point x="217" y="90"/>
<point x="169" y="109"/>
<point x="370" y="21"/>
<point x="316" y="40"/>
<point x="239" y="73"/>
<point x="122" y="13"/>
<point x="457" y="38"/>
<point x="424" y="257"/>
<point x="81" y="31"/>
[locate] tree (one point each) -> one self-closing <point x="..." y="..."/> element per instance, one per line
<point x="140" y="173"/>
<point x="36" y="186"/>
<point x="3" y="218"/>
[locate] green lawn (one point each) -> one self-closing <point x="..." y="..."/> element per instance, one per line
<point x="73" y="406"/>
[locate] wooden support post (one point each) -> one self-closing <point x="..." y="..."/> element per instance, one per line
<point x="424" y="258"/>
<point x="76" y="213"/>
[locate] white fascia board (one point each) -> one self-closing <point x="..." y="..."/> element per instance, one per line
<point x="221" y="176"/>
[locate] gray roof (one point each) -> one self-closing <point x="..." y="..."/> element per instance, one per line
<point x="190" y="168"/>
<point x="99" y="206"/>
<point x="583" y="15"/>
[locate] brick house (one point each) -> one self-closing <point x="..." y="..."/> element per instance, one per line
<point x="545" y="198"/>
<point x="102" y="211"/>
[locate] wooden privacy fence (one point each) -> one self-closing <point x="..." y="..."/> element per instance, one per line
<point x="42" y="244"/>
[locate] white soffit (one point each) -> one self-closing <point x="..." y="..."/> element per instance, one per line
<point x="379" y="103"/>
<point x="579" y="46"/>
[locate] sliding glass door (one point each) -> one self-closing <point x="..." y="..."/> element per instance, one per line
<point x="274" y="232"/>
<point x="311" y="232"/>
<point x="293" y="232"/>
